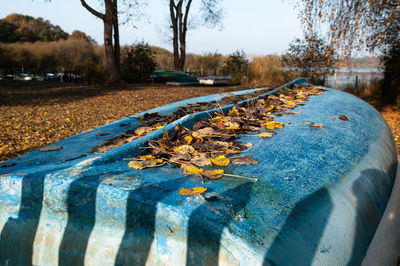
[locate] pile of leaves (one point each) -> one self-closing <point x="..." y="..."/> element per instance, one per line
<point x="153" y="121"/>
<point x="211" y="145"/>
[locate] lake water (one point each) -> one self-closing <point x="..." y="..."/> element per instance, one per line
<point x="355" y="77"/>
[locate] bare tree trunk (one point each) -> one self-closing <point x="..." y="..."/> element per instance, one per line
<point x="174" y="20"/>
<point x="179" y="28"/>
<point x="112" y="49"/>
<point x="117" y="49"/>
<point x="112" y="66"/>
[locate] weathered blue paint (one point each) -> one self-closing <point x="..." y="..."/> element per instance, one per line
<point x="319" y="198"/>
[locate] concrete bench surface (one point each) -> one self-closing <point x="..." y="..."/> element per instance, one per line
<point x="319" y="198"/>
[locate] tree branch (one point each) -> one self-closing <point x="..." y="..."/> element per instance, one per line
<point x="91" y="10"/>
<point x="186" y="16"/>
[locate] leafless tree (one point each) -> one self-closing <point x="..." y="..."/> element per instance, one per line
<point x="111" y="32"/>
<point x="211" y="15"/>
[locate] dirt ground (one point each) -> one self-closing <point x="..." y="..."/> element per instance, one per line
<point x="35" y="114"/>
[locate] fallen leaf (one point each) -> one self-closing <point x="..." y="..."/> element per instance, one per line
<point x="212" y="145"/>
<point x="253" y="128"/>
<point x="267" y="134"/>
<point x="216" y="118"/>
<point x="242" y="146"/>
<point x="192" y="191"/>
<point x="316" y="125"/>
<point x="201" y="160"/>
<point x="140" y="131"/>
<point x="230" y="152"/>
<point x="232" y="125"/>
<point x="140" y="164"/>
<point x="191" y="169"/>
<point x="343" y="117"/>
<point x="178" y="158"/>
<point x="245" y="160"/>
<point x="273" y="125"/>
<point x="220" y="161"/>
<point x="188" y="140"/>
<point x="204" y="132"/>
<point x="234" y="111"/>
<point x="213" y="174"/>
<point x="51" y="148"/>
<point x="150" y="158"/>
<point x="184" y="149"/>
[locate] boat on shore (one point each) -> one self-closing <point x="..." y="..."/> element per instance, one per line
<point x="316" y="196"/>
<point x="215" y="80"/>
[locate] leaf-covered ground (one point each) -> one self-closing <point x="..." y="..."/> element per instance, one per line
<point x="392" y="117"/>
<point x="35" y="114"/>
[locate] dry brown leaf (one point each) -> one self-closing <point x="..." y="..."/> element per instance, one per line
<point x="204" y="132"/>
<point x="184" y="149"/>
<point x="311" y="124"/>
<point x="267" y="134"/>
<point x="51" y="148"/>
<point x="343" y="117"/>
<point x="245" y="160"/>
<point x="253" y="128"/>
<point x="140" y="131"/>
<point x="213" y="174"/>
<point x="201" y="160"/>
<point x="232" y="125"/>
<point x="178" y="158"/>
<point x="234" y="111"/>
<point x="140" y="164"/>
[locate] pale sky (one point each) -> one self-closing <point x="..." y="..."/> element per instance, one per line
<point x="259" y="27"/>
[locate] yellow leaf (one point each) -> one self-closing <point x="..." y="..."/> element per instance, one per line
<point x="217" y="118"/>
<point x="190" y="169"/>
<point x="220" y="161"/>
<point x="232" y="127"/>
<point x="150" y="158"/>
<point x="234" y="111"/>
<point x="188" y="139"/>
<point x="192" y="191"/>
<point x="273" y="125"/>
<point x="291" y="102"/>
<point x="159" y="127"/>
